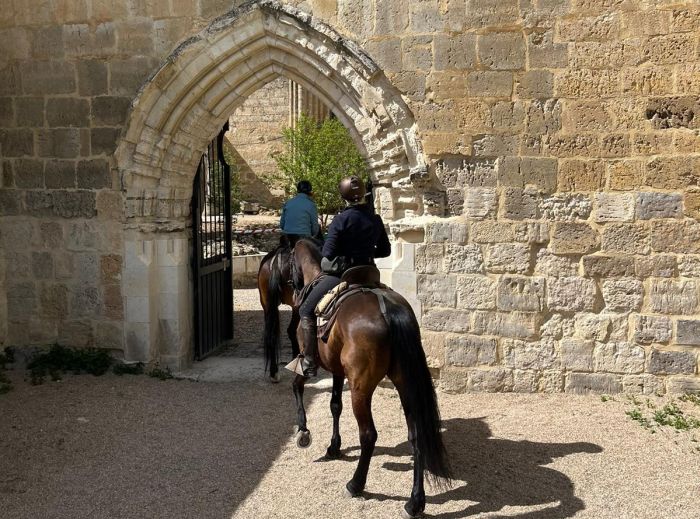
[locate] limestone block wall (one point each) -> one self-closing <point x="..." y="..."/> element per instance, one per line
<point x="565" y="135"/>
<point x="562" y="145"/>
<point x="68" y="74"/>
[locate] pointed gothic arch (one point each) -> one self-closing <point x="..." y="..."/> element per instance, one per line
<point x="183" y="106"/>
<point x="185" y="103"/>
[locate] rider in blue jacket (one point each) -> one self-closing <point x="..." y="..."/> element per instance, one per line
<point x="299" y="215"/>
<point x="355" y="237"/>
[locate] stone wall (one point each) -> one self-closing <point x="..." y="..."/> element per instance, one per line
<point x="68" y="74"/>
<point x="565" y="133"/>
<point x="255" y="134"/>
<point x="562" y="144"/>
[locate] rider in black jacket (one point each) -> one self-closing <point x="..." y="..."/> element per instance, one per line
<point x="355" y="237"/>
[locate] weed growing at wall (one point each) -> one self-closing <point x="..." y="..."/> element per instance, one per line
<point x="7" y="357"/>
<point x="60" y="360"/>
<point x="672" y="415"/>
<point x="162" y="374"/>
<point x="5" y="384"/>
<point x="695" y="399"/>
<point x="653" y="417"/>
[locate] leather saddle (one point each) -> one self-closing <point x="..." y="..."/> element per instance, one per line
<point x="364" y="278"/>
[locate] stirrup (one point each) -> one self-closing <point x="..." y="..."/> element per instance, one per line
<point x="309" y="368"/>
<point x="295" y="365"/>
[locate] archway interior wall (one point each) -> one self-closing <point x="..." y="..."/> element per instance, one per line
<point x="182" y="108"/>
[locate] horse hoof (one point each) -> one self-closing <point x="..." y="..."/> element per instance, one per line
<point x="303" y="439"/>
<point x="332" y="454"/>
<point x="275" y="378"/>
<point x="351" y="492"/>
<point x="411" y="515"/>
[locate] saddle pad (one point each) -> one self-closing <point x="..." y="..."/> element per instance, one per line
<point x="329" y="297"/>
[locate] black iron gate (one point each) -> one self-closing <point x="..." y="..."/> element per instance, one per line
<point x="211" y="227"/>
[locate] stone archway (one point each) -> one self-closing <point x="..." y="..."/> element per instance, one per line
<point x="184" y="105"/>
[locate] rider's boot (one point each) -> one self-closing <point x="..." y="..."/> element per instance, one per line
<point x="308" y="333"/>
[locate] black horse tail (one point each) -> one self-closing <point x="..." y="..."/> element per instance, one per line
<point x="419" y="393"/>
<point x="271" y="334"/>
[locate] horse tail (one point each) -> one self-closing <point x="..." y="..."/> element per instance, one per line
<point x="271" y="334"/>
<point x="419" y="393"/>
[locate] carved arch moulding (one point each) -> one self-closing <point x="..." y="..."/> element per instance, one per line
<point x="187" y="100"/>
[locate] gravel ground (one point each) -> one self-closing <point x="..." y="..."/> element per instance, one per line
<point x="138" y="447"/>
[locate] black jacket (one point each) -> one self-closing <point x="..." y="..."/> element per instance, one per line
<point x="358" y="234"/>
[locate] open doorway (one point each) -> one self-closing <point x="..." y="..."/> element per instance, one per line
<point x="182" y="108"/>
<point x="248" y="145"/>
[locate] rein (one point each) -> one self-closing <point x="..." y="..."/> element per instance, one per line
<point x="301" y="294"/>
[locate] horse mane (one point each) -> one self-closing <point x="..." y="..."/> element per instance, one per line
<point x="314" y="250"/>
<point x="269" y="256"/>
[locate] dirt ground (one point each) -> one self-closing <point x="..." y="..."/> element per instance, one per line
<point x="138" y="447"/>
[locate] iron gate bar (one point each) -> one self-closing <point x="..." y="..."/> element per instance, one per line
<point x="212" y="258"/>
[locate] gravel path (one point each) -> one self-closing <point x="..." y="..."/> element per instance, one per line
<point x="137" y="447"/>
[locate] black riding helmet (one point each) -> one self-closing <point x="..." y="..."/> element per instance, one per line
<point x="304" y="186"/>
<point x="352" y="189"/>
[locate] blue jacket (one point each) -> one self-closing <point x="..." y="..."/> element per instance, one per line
<point x="300" y="216"/>
<point x="357" y="233"/>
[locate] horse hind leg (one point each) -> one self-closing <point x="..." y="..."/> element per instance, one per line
<point x="416" y="503"/>
<point x="362" y="409"/>
<point x="333" y="451"/>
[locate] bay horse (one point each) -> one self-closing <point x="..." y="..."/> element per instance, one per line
<point x="365" y="345"/>
<point x="274" y="289"/>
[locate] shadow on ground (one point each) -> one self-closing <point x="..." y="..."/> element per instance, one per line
<point x="495" y="473"/>
<point x="248" y="326"/>
<point x="135" y="447"/>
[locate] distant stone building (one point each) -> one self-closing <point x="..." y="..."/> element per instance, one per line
<point x="256" y="135"/>
<point x="538" y="162"/>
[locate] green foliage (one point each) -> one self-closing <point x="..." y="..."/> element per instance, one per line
<point x="162" y="374"/>
<point x="322" y="153"/>
<point x="606" y="398"/>
<point x="636" y="415"/>
<point x="695" y="399"/>
<point x="7" y="357"/>
<point x="59" y="360"/>
<point x="5" y="384"/>
<point x="120" y="368"/>
<point x="669" y="415"/>
<point x="672" y="415"/>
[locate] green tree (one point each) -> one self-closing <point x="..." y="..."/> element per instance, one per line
<point x="322" y="153"/>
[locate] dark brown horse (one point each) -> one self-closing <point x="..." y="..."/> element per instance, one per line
<point x="274" y="288"/>
<point x="364" y="346"/>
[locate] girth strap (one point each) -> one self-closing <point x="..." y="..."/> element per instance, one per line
<point x="327" y="319"/>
